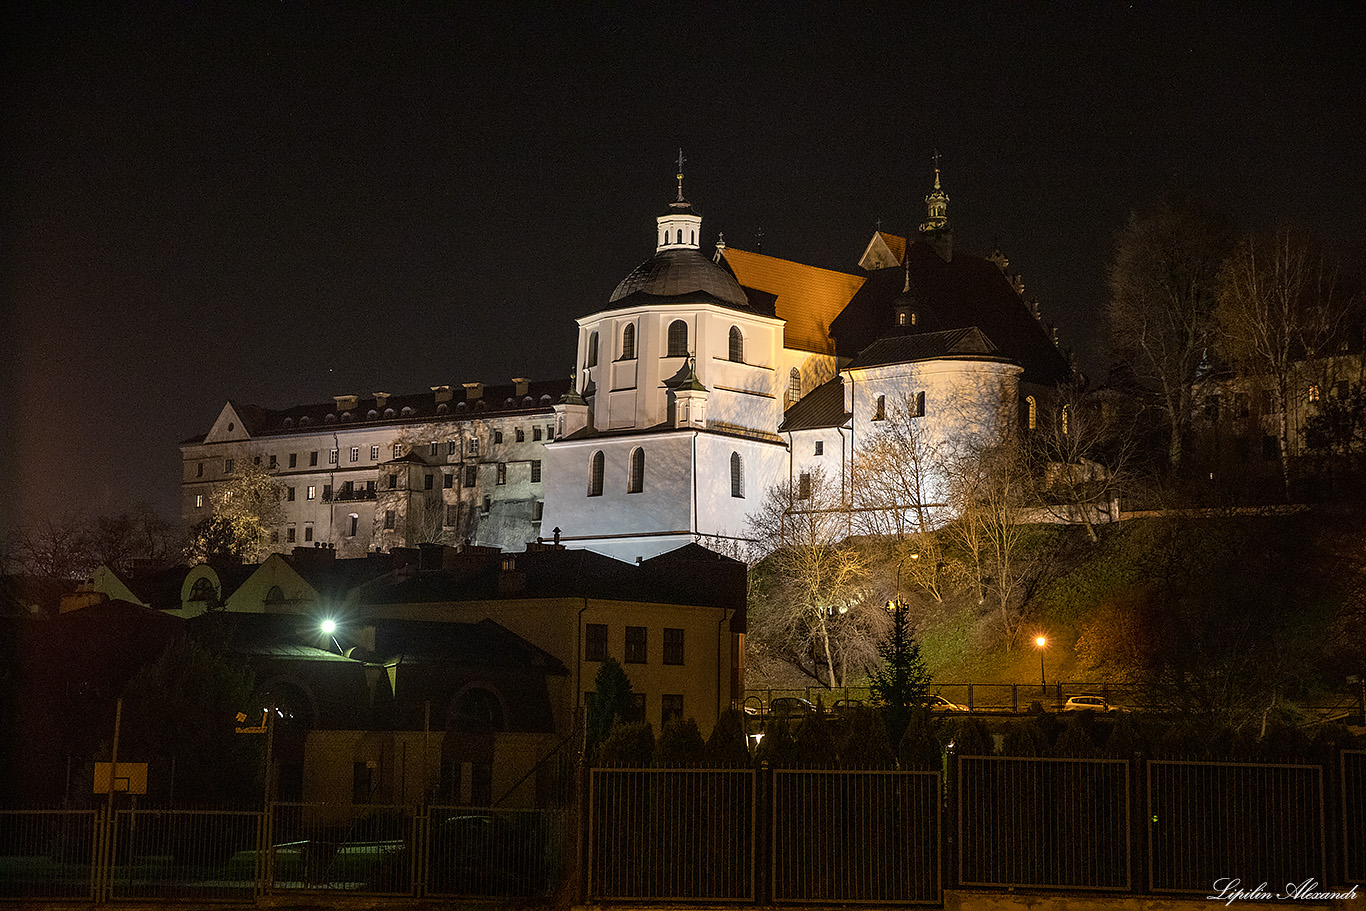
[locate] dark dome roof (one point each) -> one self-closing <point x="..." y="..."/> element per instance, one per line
<point x="670" y="273"/>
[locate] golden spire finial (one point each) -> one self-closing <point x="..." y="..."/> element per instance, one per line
<point x="936" y="169"/>
<point x="681" y="159"/>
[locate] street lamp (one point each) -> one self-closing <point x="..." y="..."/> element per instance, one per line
<point x="328" y="627"/>
<point x="1041" y="642"/>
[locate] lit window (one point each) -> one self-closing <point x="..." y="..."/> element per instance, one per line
<point x="737" y="345"/>
<point x="332" y="457"/>
<point x="1031" y="412"/>
<point x="199" y="499"/>
<point x="635" y="645"/>
<point x="595" y="467"/>
<point x="737" y="475"/>
<point x="535" y="471"/>
<point x="374" y="453"/>
<point x="678" y="339"/>
<point x="312" y="492"/>
<point x="502" y="473"/>
<point x="628" y="342"/>
<point x="636" y="483"/>
<point x="673" y="646"/>
<point x="355" y="453"/>
<point x="804" y="486"/>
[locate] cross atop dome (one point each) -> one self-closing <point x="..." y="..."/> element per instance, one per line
<point x="677" y="229"/>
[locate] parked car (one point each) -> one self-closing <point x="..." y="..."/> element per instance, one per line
<point x="790" y="707"/>
<point x="937" y="703"/>
<point x="1089" y="703"/>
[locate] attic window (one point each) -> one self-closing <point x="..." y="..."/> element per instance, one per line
<point x="231" y="426"/>
<point x="289" y="422"/>
<point x="388" y="412"/>
<point x="545" y="400"/>
<point x="203" y="590"/>
<point x="407" y="411"/>
<point x="529" y="402"/>
<point x="442" y="409"/>
<point x="305" y="421"/>
<point x="371" y="414"/>
<point x="461" y="406"/>
<point x="347" y="416"/>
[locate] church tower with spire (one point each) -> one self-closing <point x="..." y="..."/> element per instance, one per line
<point x="935" y="228"/>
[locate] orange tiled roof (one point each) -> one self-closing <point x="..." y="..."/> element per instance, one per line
<point x="896" y="243"/>
<point x="807" y="297"/>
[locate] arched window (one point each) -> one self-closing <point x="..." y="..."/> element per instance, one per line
<point x="918" y="405"/>
<point x="636" y="483"/>
<point x="737" y="475"/>
<point x="203" y="590"/>
<point x="628" y="342"/>
<point x="794" y="386"/>
<point x="595" y="474"/>
<point x="737" y="345"/>
<point x="680" y="235"/>
<point x="678" y="339"/>
<point x="276" y="595"/>
<point x="1031" y="412"/>
<point x="592" y="360"/>
<point x="692" y="237"/>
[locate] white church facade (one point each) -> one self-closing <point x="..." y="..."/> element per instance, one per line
<point x="702" y="382"/>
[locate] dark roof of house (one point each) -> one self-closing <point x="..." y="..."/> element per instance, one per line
<point x="493" y="400"/>
<point x="964" y="291"/>
<point x="20" y="596"/>
<point x="485" y="643"/>
<point x="690" y="575"/>
<point x="962" y="344"/>
<point x="679" y="276"/>
<point x="821" y="407"/>
<point x="159" y="589"/>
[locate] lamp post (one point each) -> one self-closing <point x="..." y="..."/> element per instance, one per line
<point x="1041" y="642"/>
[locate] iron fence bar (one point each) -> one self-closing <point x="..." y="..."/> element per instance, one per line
<point x="1352" y="793"/>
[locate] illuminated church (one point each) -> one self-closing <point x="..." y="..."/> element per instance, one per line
<point x="702" y="382"/>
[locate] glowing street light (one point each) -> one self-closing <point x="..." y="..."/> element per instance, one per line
<point x="329" y="626"/>
<point x="1041" y="642"/>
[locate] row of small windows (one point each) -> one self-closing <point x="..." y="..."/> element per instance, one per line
<point x="407" y="411"/>
<point x="677" y="344"/>
<point x="916" y="402"/>
<point x="635" y="478"/>
<point x="636" y="650"/>
<point x="666" y="237"/>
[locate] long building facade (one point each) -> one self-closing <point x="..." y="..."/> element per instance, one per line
<point x="703" y="381"/>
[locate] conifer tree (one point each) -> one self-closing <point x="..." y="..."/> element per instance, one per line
<point x="901" y="681"/>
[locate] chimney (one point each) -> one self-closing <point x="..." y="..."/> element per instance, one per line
<point x="346" y="402"/>
<point x="522" y="384"/>
<point x="473" y="391"/>
<point x="442" y="393"/>
<point x="381" y="399"/>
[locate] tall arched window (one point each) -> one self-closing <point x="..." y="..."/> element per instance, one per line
<point x="628" y="342"/>
<point x="680" y="235"/>
<point x="794" y="386"/>
<point x="1031" y="412"/>
<point x="592" y="360"/>
<point x="737" y="345"/>
<point x="595" y="474"/>
<point x="636" y="483"/>
<point x="737" y="475"/>
<point x="678" y="338"/>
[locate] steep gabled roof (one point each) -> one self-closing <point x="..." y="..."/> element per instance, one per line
<point x="821" y="407"/>
<point x="807" y="297"/>
<point x="964" y="291"/>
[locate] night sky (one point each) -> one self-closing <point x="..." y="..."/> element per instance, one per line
<point x="282" y="202"/>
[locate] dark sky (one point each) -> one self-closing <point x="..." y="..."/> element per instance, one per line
<point x="282" y="202"/>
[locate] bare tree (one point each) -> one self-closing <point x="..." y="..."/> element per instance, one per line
<point x="1279" y="307"/>
<point x="818" y="611"/>
<point x="56" y="548"/>
<point x="988" y="487"/>
<point x="897" y="477"/>
<point x="244" y="509"/>
<point x="1163" y="289"/>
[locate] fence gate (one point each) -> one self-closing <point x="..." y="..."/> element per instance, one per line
<point x="1255" y="822"/>
<point x="1354" y="816"/>
<point x="856" y="836"/>
<point x="684" y="834"/>
<point x="1055" y="823"/>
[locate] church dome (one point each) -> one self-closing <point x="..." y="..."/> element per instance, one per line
<point x="680" y="271"/>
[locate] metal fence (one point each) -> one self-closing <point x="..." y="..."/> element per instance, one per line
<point x="685" y="834"/>
<point x="49" y="853"/>
<point x="1056" y="823"/>
<point x="856" y="837"/>
<point x="1255" y="822"/>
<point x="493" y="853"/>
<point x="1353" y="815"/>
<point x="184" y="854"/>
